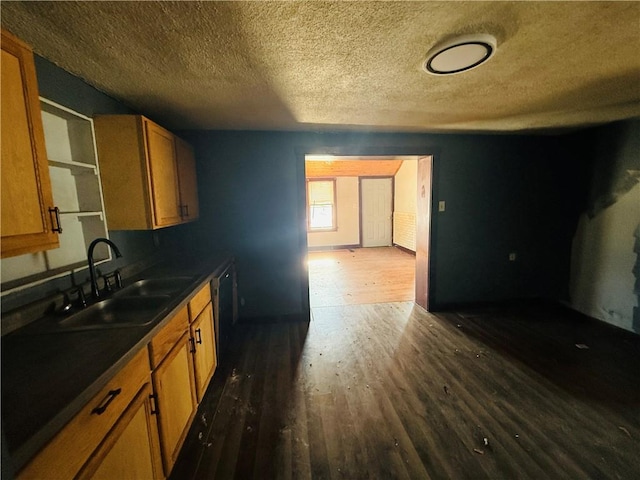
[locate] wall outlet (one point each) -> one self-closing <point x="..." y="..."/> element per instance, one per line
<point x="441" y="206"/>
<point x="512" y="257"/>
<point x="242" y="302"/>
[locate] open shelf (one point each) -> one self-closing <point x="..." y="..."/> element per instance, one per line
<point x="75" y="167"/>
<point x="68" y="135"/>
<point x="77" y="192"/>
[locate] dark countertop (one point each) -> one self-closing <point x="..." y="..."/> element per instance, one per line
<point x="48" y="377"/>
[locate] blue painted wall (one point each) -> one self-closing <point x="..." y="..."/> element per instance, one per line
<point x="503" y="194"/>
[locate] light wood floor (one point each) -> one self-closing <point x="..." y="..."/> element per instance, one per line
<point x="360" y="276"/>
<point x="383" y="391"/>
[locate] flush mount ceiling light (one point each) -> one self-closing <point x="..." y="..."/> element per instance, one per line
<point x="460" y="54"/>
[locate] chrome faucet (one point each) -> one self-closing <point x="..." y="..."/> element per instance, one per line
<point x="95" y="291"/>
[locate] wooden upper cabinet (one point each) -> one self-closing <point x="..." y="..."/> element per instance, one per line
<point x="163" y="172"/>
<point x="188" y="181"/>
<point x="28" y="214"/>
<point x="139" y="168"/>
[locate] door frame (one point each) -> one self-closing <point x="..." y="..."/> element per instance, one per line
<point x="393" y="190"/>
<point x="418" y="150"/>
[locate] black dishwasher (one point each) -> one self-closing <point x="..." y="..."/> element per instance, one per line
<point x="225" y="321"/>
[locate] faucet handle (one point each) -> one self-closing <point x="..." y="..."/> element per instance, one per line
<point x="82" y="300"/>
<point x="107" y="283"/>
<point x="117" y="281"/>
<point x="67" y="304"/>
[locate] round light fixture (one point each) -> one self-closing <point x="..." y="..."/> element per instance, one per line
<point x="460" y="54"/>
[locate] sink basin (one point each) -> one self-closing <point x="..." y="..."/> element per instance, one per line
<point x="114" y="312"/>
<point x="136" y="305"/>
<point x="156" y="286"/>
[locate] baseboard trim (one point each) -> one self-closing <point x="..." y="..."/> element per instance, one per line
<point x="333" y="247"/>
<point x="267" y="319"/>
<point x="405" y="249"/>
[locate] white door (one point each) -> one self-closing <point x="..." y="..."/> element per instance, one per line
<point x="377" y="202"/>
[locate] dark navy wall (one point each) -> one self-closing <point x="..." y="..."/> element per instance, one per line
<point x="66" y="89"/>
<point x="504" y="194"/>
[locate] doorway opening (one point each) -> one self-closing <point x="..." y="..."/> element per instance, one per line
<point x="365" y="240"/>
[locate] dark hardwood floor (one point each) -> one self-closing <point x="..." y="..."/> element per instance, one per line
<point x="387" y="390"/>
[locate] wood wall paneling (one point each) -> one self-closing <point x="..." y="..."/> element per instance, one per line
<point x="404" y="230"/>
<point x="352" y="168"/>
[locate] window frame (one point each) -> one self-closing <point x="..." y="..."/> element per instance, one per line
<point x="334" y="211"/>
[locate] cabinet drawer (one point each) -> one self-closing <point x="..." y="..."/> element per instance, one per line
<point x="199" y="301"/>
<point x="66" y="453"/>
<point x="164" y="341"/>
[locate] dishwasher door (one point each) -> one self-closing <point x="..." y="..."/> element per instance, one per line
<point x="225" y="311"/>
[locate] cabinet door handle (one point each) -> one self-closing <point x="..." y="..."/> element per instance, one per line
<point x="154" y="403"/>
<point x="184" y="210"/>
<point x="54" y="213"/>
<point x="99" y="410"/>
<point x="193" y="345"/>
<point x="198" y="336"/>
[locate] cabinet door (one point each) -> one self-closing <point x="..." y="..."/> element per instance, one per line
<point x="132" y="449"/>
<point x="74" y="445"/>
<point x="174" y="386"/>
<point x="165" y="194"/>
<point x="188" y="181"/>
<point x="27" y="224"/>
<point x="205" y="361"/>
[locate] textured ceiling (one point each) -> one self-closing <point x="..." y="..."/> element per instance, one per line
<point x="345" y="65"/>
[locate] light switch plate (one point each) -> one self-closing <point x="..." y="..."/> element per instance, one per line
<point x="441" y="206"/>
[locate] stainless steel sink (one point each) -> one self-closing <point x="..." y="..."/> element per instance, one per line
<point x="156" y="286"/>
<point x="136" y="305"/>
<point x="114" y="312"/>
<point x="117" y="312"/>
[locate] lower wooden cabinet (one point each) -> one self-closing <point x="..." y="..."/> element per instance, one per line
<point x="132" y="448"/>
<point x="136" y="425"/>
<point x="183" y="357"/>
<point x="173" y="383"/>
<point x="204" y="349"/>
<point x="76" y="443"/>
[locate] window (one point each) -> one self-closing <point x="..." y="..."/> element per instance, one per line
<point x="321" y="203"/>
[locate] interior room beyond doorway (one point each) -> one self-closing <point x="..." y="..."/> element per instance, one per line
<point x="336" y="211"/>
<point x="361" y="228"/>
